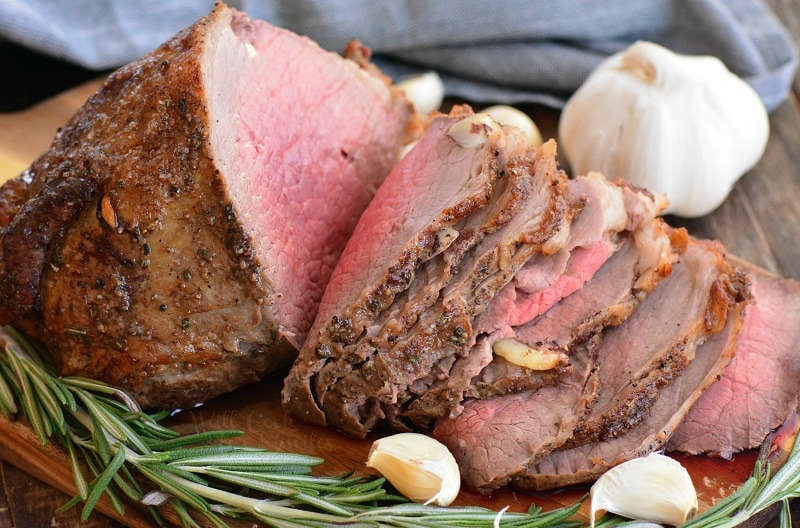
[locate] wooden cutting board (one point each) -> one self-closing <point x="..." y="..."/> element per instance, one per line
<point x="256" y="409"/>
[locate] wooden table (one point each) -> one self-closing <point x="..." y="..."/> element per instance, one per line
<point x="767" y="199"/>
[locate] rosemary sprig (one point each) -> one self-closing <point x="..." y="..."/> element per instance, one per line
<point x="117" y="450"/>
<point x="106" y="429"/>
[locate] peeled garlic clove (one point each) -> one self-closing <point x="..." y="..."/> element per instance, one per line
<point x="521" y="354"/>
<point x="508" y="115"/>
<point x="653" y="488"/>
<point x="473" y="131"/>
<point x="418" y="466"/>
<point x="425" y="91"/>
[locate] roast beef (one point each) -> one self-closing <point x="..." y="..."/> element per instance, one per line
<point x="606" y="211"/>
<point x="497" y="438"/>
<point x="659" y="340"/>
<point x="451" y="207"/>
<point x="183" y="225"/>
<point x="589" y="461"/>
<point x="759" y="388"/>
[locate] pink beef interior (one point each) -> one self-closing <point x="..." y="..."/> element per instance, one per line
<point x="411" y="199"/>
<point x="759" y="388"/>
<point x="302" y="139"/>
<point x="582" y="265"/>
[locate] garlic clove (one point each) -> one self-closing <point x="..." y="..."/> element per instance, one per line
<point x="508" y="115"/>
<point x="521" y="354"/>
<point x="418" y="466"/>
<point x="473" y="131"/>
<point x="654" y="488"/>
<point x="426" y="91"/>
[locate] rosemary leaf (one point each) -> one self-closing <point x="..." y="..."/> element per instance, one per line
<point x="198" y="438"/>
<point x="251" y="482"/>
<point x="170" y="486"/>
<point x="7" y="404"/>
<point x="214" y="520"/>
<point x="47" y="400"/>
<point x="183" y="515"/>
<point x="786" y="514"/>
<point x="74" y="501"/>
<point x="99" y="386"/>
<point x="236" y="458"/>
<point x="28" y="402"/>
<point x="100" y="484"/>
<point x="77" y="472"/>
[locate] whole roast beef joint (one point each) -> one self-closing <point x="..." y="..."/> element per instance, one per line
<point x="236" y="202"/>
<point x="177" y="236"/>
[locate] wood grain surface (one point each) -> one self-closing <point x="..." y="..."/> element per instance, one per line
<point x="760" y="222"/>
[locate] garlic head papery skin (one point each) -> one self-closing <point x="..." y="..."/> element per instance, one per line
<point x="654" y="488"/>
<point x="418" y="466"/>
<point x="676" y="124"/>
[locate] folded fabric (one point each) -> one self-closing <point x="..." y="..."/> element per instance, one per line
<point x="506" y="50"/>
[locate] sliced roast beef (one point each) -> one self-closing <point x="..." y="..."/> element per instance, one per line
<point x="546" y="278"/>
<point x="443" y="183"/>
<point x="759" y="389"/>
<point x="496" y="438"/>
<point x="448" y="331"/>
<point x="659" y="340"/>
<point x="179" y="232"/>
<point x="361" y="357"/>
<point x="589" y="461"/>
<point x="608" y="209"/>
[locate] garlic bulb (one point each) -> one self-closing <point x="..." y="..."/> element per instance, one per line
<point x="508" y="115"/>
<point x="425" y="91"/>
<point x="653" y="488"/>
<point x="420" y="467"/>
<point x="677" y="124"/>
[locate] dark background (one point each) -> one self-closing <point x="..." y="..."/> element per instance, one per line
<point x="28" y="77"/>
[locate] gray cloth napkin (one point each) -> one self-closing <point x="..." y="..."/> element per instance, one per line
<point x="501" y="50"/>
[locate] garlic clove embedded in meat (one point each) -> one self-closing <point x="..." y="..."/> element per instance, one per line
<point x="677" y="124"/>
<point x="426" y="91"/>
<point x="418" y="466"/>
<point x="654" y="488"/>
<point x="473" y="131"/>
<point x="521" y="354"/>
<point x="508" y="115"/>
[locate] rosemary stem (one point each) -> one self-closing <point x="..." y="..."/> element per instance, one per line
<point x="264" y="507"/>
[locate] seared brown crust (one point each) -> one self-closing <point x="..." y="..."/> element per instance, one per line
<point x="29" y="240"/>
<point x="13" y="195"/>
<point x="511" y="378"/>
